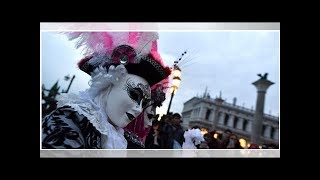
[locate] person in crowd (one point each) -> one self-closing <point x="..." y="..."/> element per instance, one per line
<point x="234" y="142"/>
<point x="178" y="131"/>
<point x="153" y="138"/>
<point x="211" y="141"/>
<point x="225" y="138"/>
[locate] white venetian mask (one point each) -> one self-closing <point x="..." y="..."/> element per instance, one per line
<point x="126" y="99"/>
<point x="149" y="114"/>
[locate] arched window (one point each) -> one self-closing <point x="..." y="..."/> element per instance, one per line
<point x="226" y="119"/>
<point x="245" y="124"/>
<point x="208" y="114"/>
<point x="273" y="130"/>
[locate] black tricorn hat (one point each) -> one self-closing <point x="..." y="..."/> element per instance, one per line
<point x="146" y="67"/>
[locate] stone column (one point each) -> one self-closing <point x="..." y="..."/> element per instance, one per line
<point x="216" y="120"/>
<point x="230" y="121"/>
<point x="240" y="123"/>
<point x="262" y="85"/>
<point x="201" y="112"/>
<point x="221" y="118"/>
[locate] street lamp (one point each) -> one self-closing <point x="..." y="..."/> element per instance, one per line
<point x="175" y="83"/>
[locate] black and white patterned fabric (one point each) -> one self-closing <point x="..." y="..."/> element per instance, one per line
<point x="65" y="128"/>
<point x="133" y="140"/>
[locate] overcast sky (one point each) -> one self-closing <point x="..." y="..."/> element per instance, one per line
<point x="226" y="61"/>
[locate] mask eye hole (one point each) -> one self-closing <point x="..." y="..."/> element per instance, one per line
<point x="135" y="95"/>
<point x="150" y="116"/>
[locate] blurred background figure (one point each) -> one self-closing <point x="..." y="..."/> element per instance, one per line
<point x="153" y="138"/>
<point x="234" y="142"/>
<point x="254" y="146"/>
<point x="178" y="131"/>
<point x="166" y="132"/>
<point x="171" y="131"/>
<point x="211" y="141"/>
<point x="203" y="145"/>
<point x="225" y="138"/>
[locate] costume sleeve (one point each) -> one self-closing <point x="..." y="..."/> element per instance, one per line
<point x="60" y="132"/>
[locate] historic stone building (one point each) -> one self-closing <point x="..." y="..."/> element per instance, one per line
<point x="216" y="114"/>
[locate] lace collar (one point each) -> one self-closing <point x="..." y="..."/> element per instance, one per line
<point x="112" y="138"/>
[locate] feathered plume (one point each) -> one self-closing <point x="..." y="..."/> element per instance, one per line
<point x="105" y="42"/>
<point x="192" y="138"/>
<point x="99" y="47"/>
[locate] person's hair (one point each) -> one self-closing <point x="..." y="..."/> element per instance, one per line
<point x="212" y="133"/>
<point x="195" y="127"/>
<point x="176" y="115"/>
<point x="155" y="122"/>
<point x="208" y="135"/>
<point x="164" y="117"/>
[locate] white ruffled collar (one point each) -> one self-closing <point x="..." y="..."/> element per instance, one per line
<point x="112" y="138"/>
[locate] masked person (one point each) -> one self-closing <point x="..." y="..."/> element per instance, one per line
<point x="138" y="129"/>
<point x="123" y="66"/>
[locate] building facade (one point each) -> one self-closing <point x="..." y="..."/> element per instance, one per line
<point x="216" y="114"/>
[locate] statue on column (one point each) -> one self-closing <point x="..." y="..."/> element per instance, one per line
<point x="264" y="76"/>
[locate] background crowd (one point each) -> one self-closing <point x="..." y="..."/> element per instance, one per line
<point x="167" y="133"/>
